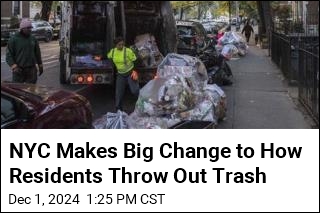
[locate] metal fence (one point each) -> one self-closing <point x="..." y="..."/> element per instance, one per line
<point x="282" y="54"/>
<point x="298" y="58"/>
<point x="309" y="78"/>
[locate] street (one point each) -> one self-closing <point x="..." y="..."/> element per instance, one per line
<point x="259" y="98"/>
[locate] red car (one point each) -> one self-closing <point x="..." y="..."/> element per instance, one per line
<point x="25" y="106"/>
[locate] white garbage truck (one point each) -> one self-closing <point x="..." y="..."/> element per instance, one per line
<point x="89" y="28"/>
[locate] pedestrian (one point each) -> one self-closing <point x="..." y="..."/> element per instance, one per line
<point x="220" y="34"/>
<point x="124" y="59"/>
<point x="248" y="30"/>
<point x="23" y="54"/>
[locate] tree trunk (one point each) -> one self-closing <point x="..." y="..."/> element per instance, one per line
<point x="46" y="10"/>
<point x="264" y="10"/>
<point x="266" y="23"/>
<point x="181" y="13"/>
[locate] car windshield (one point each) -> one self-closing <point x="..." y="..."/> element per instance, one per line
<point x="185" y="30"/>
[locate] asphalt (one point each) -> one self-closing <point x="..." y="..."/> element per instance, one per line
<point x="260" y="97"/>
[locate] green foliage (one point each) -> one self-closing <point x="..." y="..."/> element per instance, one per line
<point x="14" y="22"/>
<point x="217" y="8"/>
<point x="248" y="9"/>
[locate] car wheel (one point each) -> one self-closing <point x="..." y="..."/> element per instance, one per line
<point x="48" y="37"/>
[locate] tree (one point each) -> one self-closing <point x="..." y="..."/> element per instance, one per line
<point x="249" y="9"/>
<point x="46" y="10"/>
<point x="195" y="9"/>
<point x="264" y="9"/>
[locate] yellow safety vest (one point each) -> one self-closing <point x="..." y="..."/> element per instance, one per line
<point x="123" y="59"/>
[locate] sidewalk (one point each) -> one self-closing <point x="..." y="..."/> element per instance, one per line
<point x="259" y="97"/>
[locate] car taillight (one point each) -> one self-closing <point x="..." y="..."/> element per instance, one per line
<point x="80" y="79"/>
<point x="90" y="79"/>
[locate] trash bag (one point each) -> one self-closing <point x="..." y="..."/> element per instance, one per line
<point x="219" y="99"/>
<point x="229" y="51"/>
<point x="231" y="38"/>
<point x="165" y="96"/>
<point x="203" y="111"/>
<point x="190" y="68"/>
<point x="242" y="49"/>
<point x="237" y="42"/>
<point x="112" y="121"/>
<point x="185" y="65"/>
<point x="147" y="51"/>
<point x="137" y="122"/>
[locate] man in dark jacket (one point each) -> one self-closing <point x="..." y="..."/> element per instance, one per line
<point x="23" y="53"/>
<point x="248" y="30"/>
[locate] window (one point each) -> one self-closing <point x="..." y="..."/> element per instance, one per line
<point x="16" y="8"/>
<point x="185" y="30"/>
<point x="41" y="24"/>
<point x="8" y="112"/>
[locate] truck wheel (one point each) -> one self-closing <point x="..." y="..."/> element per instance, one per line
<point x="63" y="68"/>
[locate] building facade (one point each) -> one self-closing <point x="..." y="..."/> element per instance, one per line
<point x="9" y="9"/>
<point x="307" y="13"/>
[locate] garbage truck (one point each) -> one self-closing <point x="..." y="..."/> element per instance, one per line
<point x="89" y="28"/>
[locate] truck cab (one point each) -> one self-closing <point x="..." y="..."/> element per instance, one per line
<point x="89" y="28"/>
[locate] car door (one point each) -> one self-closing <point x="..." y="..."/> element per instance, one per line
<point x="14" y="114"/>
<point x="47" y="28"/>
<point x="42" y="30"/>
<point x="34" y="31"/>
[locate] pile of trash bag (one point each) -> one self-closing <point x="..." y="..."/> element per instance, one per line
<point x="232" y="45"/>
<point x="147" y="51"/>
<point x="179" y="93"/>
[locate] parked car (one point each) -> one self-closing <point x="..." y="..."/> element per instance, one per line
<point x="6" y="34"/>
<point x="192" y="37"/>
<point x="42" y="30"/>
<point x="25" y="106"/>
<point x="56" y="25"/>
<point x="234" y="21"/>
<point x="211" y="27"/>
